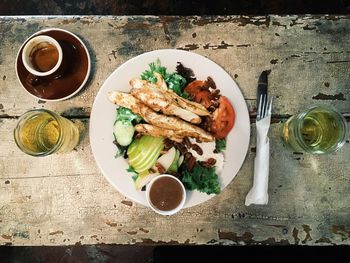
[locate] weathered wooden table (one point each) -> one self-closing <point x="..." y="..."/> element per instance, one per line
<point x="64" y="199"/>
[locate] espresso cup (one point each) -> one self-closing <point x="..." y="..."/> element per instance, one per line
<point x="42" y="56"/>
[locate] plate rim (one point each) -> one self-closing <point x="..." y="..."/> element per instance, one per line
<point x="130" y="61"/>
<point x="85" y="49"/>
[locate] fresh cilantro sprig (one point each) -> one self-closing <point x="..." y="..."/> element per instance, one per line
<point x="204" y="179"/>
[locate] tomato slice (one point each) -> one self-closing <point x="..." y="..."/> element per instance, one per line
<point x="200" y="94"/>
<point x="223" y="119"/>
<point x="194" y="87"/>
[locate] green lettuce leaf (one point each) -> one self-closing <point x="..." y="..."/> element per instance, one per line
<point x="204" y="179"/>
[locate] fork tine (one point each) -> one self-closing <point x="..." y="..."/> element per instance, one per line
<point x="263" y="107"/>
<point x="270" y="106"/>
<point x="258" y="115"/>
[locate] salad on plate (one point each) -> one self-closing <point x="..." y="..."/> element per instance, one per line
<point x="173" y="123"/>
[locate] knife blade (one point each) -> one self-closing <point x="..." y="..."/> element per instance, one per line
<point x="262" y="86"/>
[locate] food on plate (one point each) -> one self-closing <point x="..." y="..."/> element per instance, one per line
<point x="164" y="95"/>
<point x="175" y="135"/>
<point x="167" y="125"/>
<point x="223" y="119"/>
<point x="144" y="152"/>
<point x="123" y="128"/>
<point x="158" y="100"/>
<point x="163" y="121"/>
<point x="201" y="177"/>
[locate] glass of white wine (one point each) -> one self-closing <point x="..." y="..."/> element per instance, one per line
<point x="42" y="132"/>
<point x="319" y="129"/>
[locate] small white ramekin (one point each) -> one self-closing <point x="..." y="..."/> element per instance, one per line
<point x="161" y="212"/>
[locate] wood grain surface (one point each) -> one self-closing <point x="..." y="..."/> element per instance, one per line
<point x="64" y="199"/>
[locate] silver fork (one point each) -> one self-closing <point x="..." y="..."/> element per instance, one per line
<point x="258" y="194"/>
<point x="265" y="107"/>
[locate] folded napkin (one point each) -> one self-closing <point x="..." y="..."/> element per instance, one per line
<point x="258" y="194"/>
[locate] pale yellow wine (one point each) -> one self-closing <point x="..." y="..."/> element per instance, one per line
<point x="319" y="131"/>
<point x="42" y="133"/>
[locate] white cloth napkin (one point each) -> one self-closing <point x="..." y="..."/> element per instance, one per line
<point x="258" y="194"/>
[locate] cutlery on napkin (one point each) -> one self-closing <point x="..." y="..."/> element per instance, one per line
<point x="258" y="194"/>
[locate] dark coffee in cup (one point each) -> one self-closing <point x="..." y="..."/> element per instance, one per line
<point x="44" y="57"/>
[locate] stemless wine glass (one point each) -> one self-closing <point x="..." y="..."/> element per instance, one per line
<point x="42" y="132"/>
<point x="319" y="129"/>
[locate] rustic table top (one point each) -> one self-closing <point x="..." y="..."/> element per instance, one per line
<point x="64" y="199"/>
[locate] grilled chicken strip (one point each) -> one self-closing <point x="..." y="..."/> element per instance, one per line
<point x="194" y="107"/>
<point x="155" y="131"/>
<point x="168" y="122"/>
<point x="189" y="105"/>
<point x="158" y="101"/>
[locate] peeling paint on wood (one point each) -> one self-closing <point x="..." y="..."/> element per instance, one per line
<point x="241" y="20"/>
<point x="56" y="233"/>
<point x="307" y="230"/>
<point x="125" y="202"/>
<point x="295" y="236"/>
<point x="338" y="61"/>
<point x="144" y="230"/>
<point x="247" y="238"/>
<point x="189" y="47"/>
<point x="148" y="241"/>
<point x="323" y="240"/>
<point x="21" y="234"/>
<point x="321" y="96"/>
<point x="340" y="230"/>
<point x="111" y="224"/>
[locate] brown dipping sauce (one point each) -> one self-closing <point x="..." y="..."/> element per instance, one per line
<point x="44" y="58"/>
<point x="166" y="194"/>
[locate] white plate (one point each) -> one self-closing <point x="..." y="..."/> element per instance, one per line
<point x="104" y="112"/>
